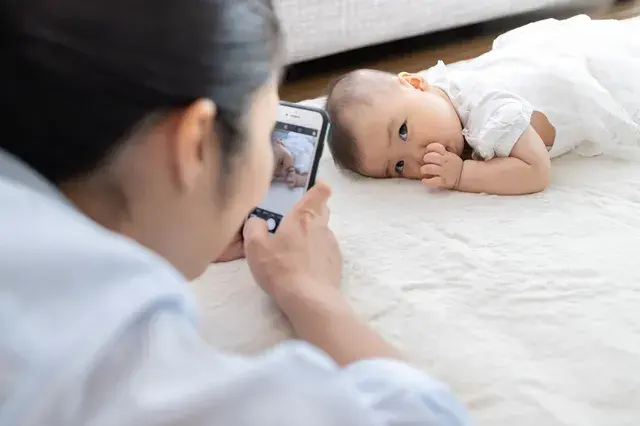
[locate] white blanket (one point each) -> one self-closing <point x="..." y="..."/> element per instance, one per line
<point x="581" y="71"/>
<point x="529" y="307"/>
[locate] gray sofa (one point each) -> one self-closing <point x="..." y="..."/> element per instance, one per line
<point x="317" y="28"/>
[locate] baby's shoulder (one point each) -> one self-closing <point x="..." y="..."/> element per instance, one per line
<point x="457" y="79"/>
<point x="466" y="89"/>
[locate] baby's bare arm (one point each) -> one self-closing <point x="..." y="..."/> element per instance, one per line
<point x="526" y="171"/>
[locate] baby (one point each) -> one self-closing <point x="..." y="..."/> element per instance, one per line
<point x="291" y="161"/>
<point x="283" y="161"/>
<point x="491" y="125"/>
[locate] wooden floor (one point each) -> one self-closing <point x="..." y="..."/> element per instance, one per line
<point x="309" y="80"/>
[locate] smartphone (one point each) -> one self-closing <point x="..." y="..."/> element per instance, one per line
<point x="297" y="142"/>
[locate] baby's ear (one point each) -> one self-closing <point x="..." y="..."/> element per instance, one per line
<point x="413" y="80"/>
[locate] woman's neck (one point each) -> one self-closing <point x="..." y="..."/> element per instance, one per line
<point x="102" y="202"/>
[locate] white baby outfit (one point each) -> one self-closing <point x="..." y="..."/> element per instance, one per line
<point x="301" y="149"/>
<point x="583" y="75"/>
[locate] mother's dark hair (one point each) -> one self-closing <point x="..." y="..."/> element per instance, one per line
<point x="83" y="75"/>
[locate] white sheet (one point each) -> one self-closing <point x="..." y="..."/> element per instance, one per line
<point x="527" y="306"/>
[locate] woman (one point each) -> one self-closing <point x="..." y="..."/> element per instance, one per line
<point x="127" y="126"/>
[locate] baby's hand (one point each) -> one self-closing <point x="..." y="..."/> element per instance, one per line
<point x="442" y="169"/>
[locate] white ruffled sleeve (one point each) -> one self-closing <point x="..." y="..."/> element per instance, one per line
<point x="495" y="123"/>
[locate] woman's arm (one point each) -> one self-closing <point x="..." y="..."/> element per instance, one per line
<point x="160" y="372"/>
<point x="300" y="267"/>
<point x="526" y="171"/>
<point x="332" y="326"/>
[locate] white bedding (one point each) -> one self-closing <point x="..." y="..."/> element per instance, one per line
<point x="529" y="307"/>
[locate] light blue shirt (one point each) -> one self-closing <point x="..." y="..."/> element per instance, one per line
<point x="96" y="330"/>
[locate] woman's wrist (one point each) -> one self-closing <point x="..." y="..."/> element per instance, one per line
<point x="302" y="307"/>
<point x="327" y="321"/>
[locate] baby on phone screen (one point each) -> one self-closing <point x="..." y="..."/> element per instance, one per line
<point x="293" y="159"/>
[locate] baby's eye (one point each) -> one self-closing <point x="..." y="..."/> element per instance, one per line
<point x="399" y="167"/>
<point x="403" y="132"/>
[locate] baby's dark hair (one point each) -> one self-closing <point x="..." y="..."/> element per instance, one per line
<point x="352" y="90"/>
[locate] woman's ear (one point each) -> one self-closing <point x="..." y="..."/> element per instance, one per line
<point x="195" y="145"/>
<point x="413" y="80"/>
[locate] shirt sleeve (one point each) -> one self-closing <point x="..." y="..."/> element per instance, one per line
<point x="495" y="123"/>
<point x="160" y="372"/>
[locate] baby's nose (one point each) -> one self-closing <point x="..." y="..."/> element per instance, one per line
<point x="412" y="164"/>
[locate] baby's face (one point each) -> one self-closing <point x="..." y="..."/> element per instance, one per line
<point x="392" y="133"/>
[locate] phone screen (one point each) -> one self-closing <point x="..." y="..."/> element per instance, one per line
<point x="295" y="147"/>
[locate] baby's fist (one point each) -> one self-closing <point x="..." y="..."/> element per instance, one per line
<point x="442" y="169"/>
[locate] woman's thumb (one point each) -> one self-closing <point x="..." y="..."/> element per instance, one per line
<point x="255" y="231"/>
<point x="315" y="199"/>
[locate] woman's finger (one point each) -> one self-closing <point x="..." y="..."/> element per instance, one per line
<point x="324" y="215"/>
<point x="315" y="199"/>
<point x="235" y="251"/>
<point x="255" y="232"/>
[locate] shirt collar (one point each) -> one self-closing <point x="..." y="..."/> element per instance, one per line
<point x="13" y="169"/>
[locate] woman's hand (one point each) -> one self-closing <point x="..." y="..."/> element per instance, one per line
<point x="301" y="267"/>
<point x="234" y="251"/>
<point x="301" y="262"/>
